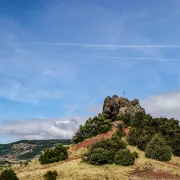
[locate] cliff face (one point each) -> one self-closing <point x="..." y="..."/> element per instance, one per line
<point x="115" y="105"/>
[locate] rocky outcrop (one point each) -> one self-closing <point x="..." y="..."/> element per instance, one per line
<point x="114" y="106"/>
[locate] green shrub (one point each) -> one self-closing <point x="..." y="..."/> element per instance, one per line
<point x="145" y="126"/>
<point x="8" y="174"/>
<point x="126" y="118"/>
<point x="135" y="154"/>
<point x="113" y="144"/>
<point x="124" y="157"/>
<point x="120" y="131"/>
<point x="100" y="156"/>
<point x="144" y="138"/>
<point x="93" y="126"/>
<point x="103" y="151"/>
<point x="158" y="149"/>
<point x="50" y="175"/>
<point x="132" y="137"/>
<point x="51" y="155"/>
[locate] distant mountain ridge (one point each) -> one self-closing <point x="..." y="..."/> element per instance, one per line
<point x="27" y="149"/>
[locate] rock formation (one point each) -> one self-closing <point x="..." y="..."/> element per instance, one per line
<point x="114" y="106"/>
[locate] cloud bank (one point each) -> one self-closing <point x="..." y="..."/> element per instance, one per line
<point x="166" y="105"/>
<point x="62" y="128"/>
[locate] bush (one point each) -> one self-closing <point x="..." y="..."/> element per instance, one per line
<point x="135" y="154"/>
<point x="124" y="157"/>
<point x="50" y="175"/>
<point x="100" y="156"/>
<point x="146" y="126"/>
<point x="144" y="138"/>
<point x="120" y="131"/>
<point x="158" y="149"/>
<point x="113" y="144"/>
<point x="132" y="137"/>
<point x="103" y="151"/>
<point x="126" y="118"/>
<point x="8" y="174"/>
<point x="93" y="126"/>
<point x="51" y="155"/>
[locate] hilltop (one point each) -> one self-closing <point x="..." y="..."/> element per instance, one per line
<point x="122" y="125"/>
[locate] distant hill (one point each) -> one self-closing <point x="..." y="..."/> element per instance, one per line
<point x="27" y="149"/>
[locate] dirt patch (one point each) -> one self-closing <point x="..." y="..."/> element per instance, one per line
<point x="71" y="159"/>
<point x="93" y="140"/>
<point x="97" y="138"/>
<point x="126" y="130"/>
<point x="153" y="175"/>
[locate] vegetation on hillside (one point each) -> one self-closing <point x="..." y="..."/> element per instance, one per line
<point x="144" y="127"/>
<point x="40" y="145"/>
<point x="108" y="151"/>
<point x="92" y="127"/>
<point x="158" y="149"/>
<point x="50" y="175"/>
<point x="75" y="169"/>
<point x="56" y="154"/>
<point x="124" y="157"/>
<point x="8" y="174"/>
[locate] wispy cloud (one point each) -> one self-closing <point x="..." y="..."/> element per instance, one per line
<point x="13" y="89"/>
<point x="104" y="45"/>
<point x="141" y="59"/>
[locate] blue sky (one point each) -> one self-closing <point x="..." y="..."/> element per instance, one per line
<point x="59" y="59"/>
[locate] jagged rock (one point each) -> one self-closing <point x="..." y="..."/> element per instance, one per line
<point x="114" y="106"/>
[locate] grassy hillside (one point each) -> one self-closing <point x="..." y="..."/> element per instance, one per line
<point x="75" y="169"/>
<point x="27" y="149"/>
<point x="113" y="146"/>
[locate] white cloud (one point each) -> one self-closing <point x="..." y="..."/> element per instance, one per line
<point x="43" y="128"/>
<point x="163" y="105"/>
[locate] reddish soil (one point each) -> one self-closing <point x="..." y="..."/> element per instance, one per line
<point x="152" y="175"/>
<point x="72" y="158"/>
<point x="93" y="140"/>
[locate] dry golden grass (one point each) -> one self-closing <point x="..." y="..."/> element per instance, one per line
<point x="77" y="170"/>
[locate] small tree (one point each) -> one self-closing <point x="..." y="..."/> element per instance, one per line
<point x="93" y="126"/>
<point x="60" y="152"/>
<point x="99" y="156"/>
<point x="158" y="149"/>
<point x="8" y="174"/>
<point x="120" y="131"/>
<point x="50" y="155"/>
<point x="124" y="157"/>
<point x="50" y="175"/>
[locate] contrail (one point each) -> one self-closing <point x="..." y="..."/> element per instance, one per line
<point x="140" y="59"/>
<point x="104" y="45"/>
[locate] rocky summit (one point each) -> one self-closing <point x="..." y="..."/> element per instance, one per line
<point x="115" y="105"/>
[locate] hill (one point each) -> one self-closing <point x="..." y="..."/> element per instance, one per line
<point x="75" y="169"/>
<point x="153" y="144"/>
<point x="27" y="149"/>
